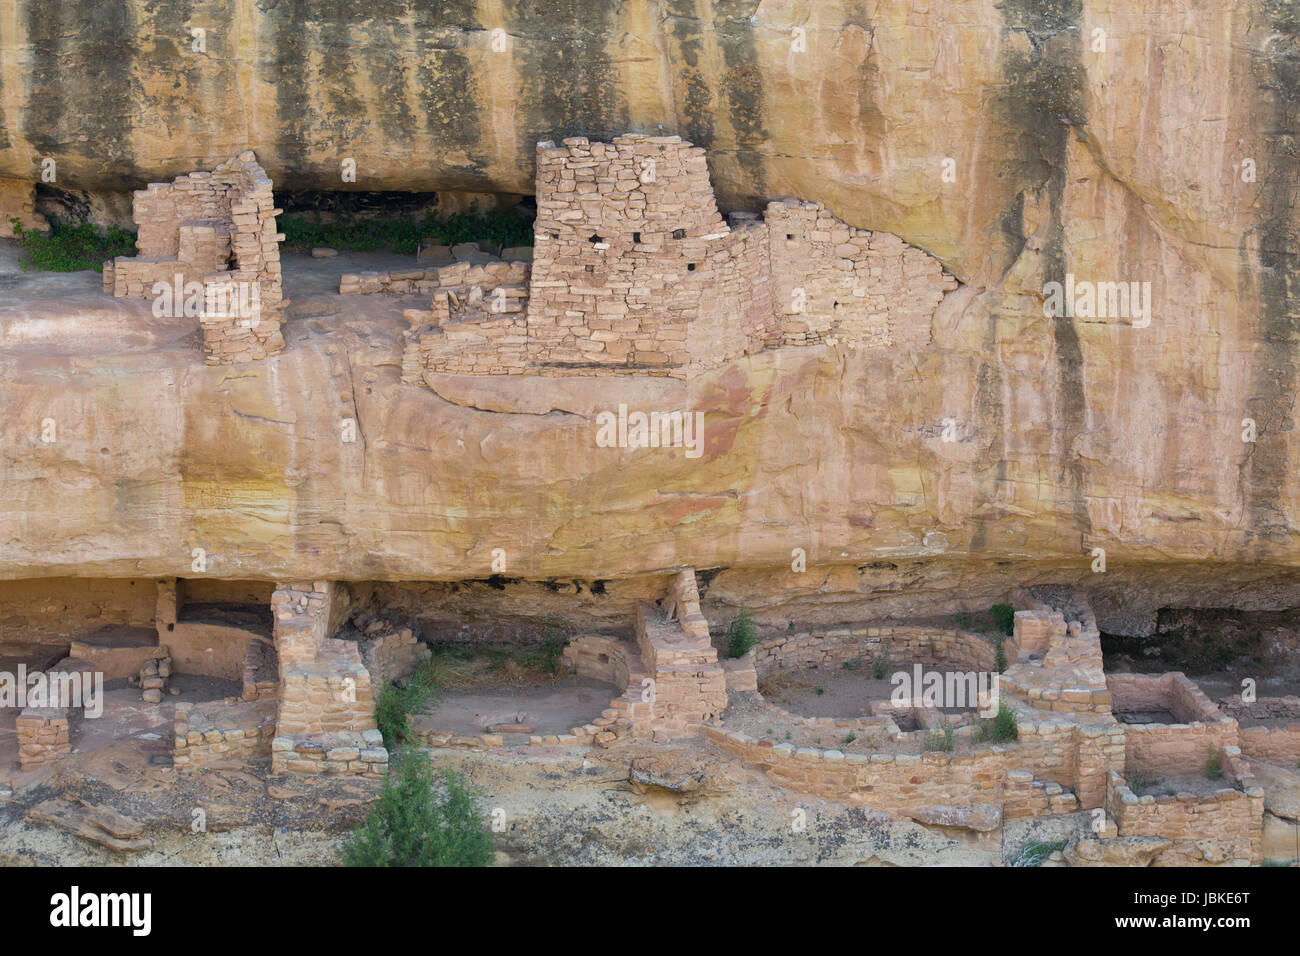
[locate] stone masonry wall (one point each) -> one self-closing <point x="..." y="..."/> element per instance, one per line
<point x="206" y="733"/>
<point x="326" y="719"/>
<point x="1225" y="828"/>
<point x="44" y="736"/>
<point x="832" y="281"/>
<point x="215" y="229"/>
<point x="1155" y="750"/>
<point x="677" y="652"/>
<point x="634" y="271"/>
<point x="905" y="644"/>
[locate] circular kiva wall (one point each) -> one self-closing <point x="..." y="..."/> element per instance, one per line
<point x="833" y="647"/>
<point x="600" y="658"/>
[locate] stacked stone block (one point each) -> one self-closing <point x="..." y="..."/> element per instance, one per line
<point x="391" y="653"/>
<point x="261" y="671"/>
<point x="155" y="671"/>
<point x="678" y="654"/>
<point x="326" y="700"/>
<point x="469" y="331"/>
<point x="216" y="229"/>
<point x="221" y="731"/>
<point x="44" y="736"/>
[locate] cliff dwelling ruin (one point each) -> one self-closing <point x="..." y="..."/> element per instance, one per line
<point x="485" y="360"/>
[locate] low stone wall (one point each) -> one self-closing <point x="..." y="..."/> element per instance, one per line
<point x="343" y="752"/>
<point x="261" y="670"/>
<point x="115" y="663"/>
<point x="474" y="331"/>
<point x="213" y="648"/>
<point x="1225" y="829"/>
<point x="44" y="736"/>
<point x="903" y="783"/>
<point x="1282" y="742"/>
<point x="1157" y="749"/>
<point x="430" y="279"/>
<point x="1271" y="743"/>
<point x="204" y="734"/>
<point x="391" y="653"/>
<point x="905" y="644"/>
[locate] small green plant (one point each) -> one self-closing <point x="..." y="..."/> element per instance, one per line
<point x="880" y="666"/>
<point x="348" y="231"/>
<point x="72" y="247"/>
<point x="395" y="705"/>
<point x="1000" y="655"/>
<point x="1000" y="728"/>
<point x="787" y="735"/>
<point x="420" y="821"/>
<point x="943" y="740"/>
<point x="852" y="665"/>
<point x="553" y="647"/>
<point x="850" y="738"/>
<point x="963" y="621"/>
<point x="1213" y="765"/>
<point x="871" y="740"/>
<point x="1142" y="785"/>
<point x="742" y="634"/>
<point x="1004" y="615"/>
<point x="820" y="690"/>
<point x="1035" y="852"/>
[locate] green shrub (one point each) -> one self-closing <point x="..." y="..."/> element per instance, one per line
<point x="414" y="825"/>
<point x="1035" y="852"/>
<point x="395" y="705"/>
<point x="742" y="634"/>
<point x="1004" y="615"/>
<point x="1001" y="728"/>
<point x="1213" y="765"/>
<point x="943" y="740"/>
<point x="963" y="621"/>
<point x="72" y="247"/>
<point x="1000" y="656"/>
<point x="403" y="234"/>
<point x="880" y="666"/>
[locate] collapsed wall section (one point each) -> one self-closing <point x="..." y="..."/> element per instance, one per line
<point x="834" y="282"/>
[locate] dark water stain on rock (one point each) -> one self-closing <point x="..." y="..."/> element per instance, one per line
<point x="1276" y="70"/>
<point x="449" y="95"/>
<point x="686" y="52"/>
<point x="1040" y="100"/>
<point x="742" y="92"/>
<point x="570" y="84"/>
<point x="80" y="87"/>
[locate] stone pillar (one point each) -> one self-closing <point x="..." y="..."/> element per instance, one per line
<point x="167" y="608"/>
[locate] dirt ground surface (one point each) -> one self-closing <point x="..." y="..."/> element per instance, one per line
<point x="748" y="714"/>
<point x="835" y="693"/>
<point x="552" y="708"/>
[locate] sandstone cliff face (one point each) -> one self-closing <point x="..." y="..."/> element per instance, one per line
<point x="1167" y="157"/>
